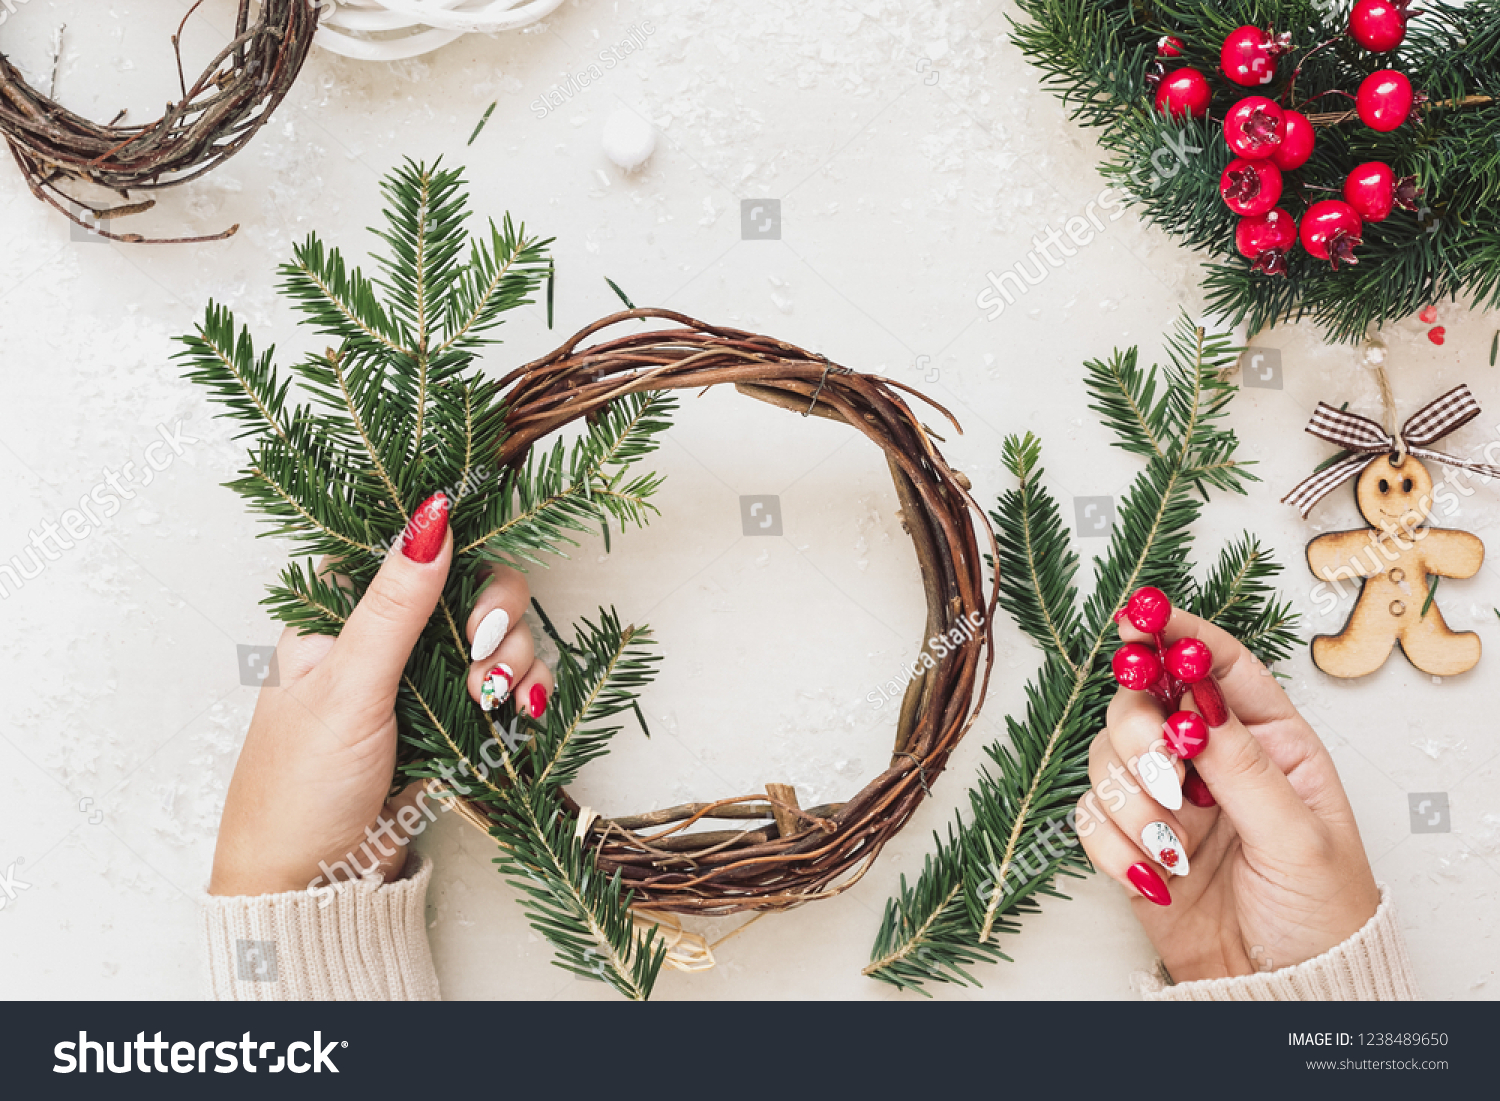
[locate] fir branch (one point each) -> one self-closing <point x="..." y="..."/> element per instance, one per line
<point x="245" y="384"/>
<point x="398" y="409"/>
<point x="1015" y="841"/>
<point x="1041" y="595"/>
<point x="1095" y="56"/>
<point x="615" y="667"/>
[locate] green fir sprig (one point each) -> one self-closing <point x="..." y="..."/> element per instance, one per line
<point x="1096" y="54"/>
<point x="996" y="862"/>
<point x="343" y="450"/>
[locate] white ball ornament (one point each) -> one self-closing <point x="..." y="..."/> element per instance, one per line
<point x="629" y="140"/>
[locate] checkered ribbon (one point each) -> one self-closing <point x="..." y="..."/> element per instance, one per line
<point x="1369" y="441"/>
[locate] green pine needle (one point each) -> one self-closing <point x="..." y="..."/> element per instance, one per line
<point x="483" y="121"/>
<point x="625" y="298"/>
<point x="1432" y="585"/>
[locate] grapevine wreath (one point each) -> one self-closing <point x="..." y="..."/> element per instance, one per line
<point x="398" y="412"/>
<point x="790" y="855"/>
<point x="1292" y="140"/>
<point x="212" y="121"/>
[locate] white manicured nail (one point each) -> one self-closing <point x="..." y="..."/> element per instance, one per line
<point x="1159" y="778"/>
<point x="1164" y="848"/>
<point x="491" y="633"/>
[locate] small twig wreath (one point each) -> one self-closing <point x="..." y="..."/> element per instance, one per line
<point x="783" y="855"/>
<point x="216" y="116"/>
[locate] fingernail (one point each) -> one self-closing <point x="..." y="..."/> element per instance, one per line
<point x="1210" y="702"/>
<point x="496" y="687"/>
<point x="1185" y="734"/>
<point x="1144" y="879"/>
<point x="492" y="631"/>
<point x="538" y="701"/>
<point x="423" y="539"/>
<point x="1164" y="847"/>
<point x="1159" y="778"/>
<point x="1196" y="792"/>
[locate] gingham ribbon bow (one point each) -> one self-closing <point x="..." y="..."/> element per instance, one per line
<point x="1369" y="441"/>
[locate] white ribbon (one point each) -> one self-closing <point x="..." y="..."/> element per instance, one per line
<point x="411" y="28"/>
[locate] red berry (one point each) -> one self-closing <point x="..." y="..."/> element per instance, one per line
<point x="1148" y="610"/>
<point x="1378" y="25"/>
<point x="1169" y="45"/>
<point x="1428" y="315"/>
<point x="1331" y="231"/>
<point x="1253" y="127"/>
<point x="1438" y="335"/>
<point x="1184" y="92"/>
<point x="1186" y="734"/>
<point x="1136" y="666"/>
<point x="1168" y="857"/>
<point x="1384" y="100"/>
<point x="1189" y="660"/>
<point x="1250" y="187"/>
<point x="1266" y="239"/>
<point x="1297" y="141"/>
<point x="1371" y="191"/>
<point x="1249" y="55"/>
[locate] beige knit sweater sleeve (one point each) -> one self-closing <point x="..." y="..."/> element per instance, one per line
<point x="360" y="941"/>
<point x="369" y="943"/>
<point x="1371" y="966"/>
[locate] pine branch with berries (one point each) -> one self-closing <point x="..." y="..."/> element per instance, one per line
<point x="997" y="863"/>
<point x="1332" y="162"/>
<point x="395" y="423"/>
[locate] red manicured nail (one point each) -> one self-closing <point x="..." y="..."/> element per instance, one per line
<point x="1145" y="880"/>
<point x="1196" y="792"/>
<point x="538" y="701"/>
<point x="423" y="539"/>
<point x="1210" y="702"/>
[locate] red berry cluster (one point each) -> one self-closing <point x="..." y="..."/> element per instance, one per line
<point x="1167" y="672"/>
<point x="1268" y="139"/>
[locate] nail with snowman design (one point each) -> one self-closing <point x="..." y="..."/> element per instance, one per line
<point x="496" y="687"/>
<point x="1164" y="847"/>
<point x="490" y="634"/>
<point x="1158" y="775"/>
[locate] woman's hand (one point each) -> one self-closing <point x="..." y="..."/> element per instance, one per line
<point x="309" y="789"/>
<point x="1272" y="871"/>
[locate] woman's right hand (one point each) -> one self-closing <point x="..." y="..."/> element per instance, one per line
<point x="1273" y="871"/>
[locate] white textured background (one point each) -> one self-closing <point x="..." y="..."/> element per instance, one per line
<point x="118" y="670"/>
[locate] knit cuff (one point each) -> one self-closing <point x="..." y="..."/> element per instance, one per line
<point x="360" y="941"/>
<point x="1371" y="966"/>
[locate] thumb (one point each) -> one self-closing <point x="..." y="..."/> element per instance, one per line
<point x="373" y="648"/>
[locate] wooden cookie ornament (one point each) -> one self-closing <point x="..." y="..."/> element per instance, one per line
<point x="1400" y="556"/>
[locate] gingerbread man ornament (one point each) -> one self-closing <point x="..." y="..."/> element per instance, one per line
<point x="1396" y="558"/>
